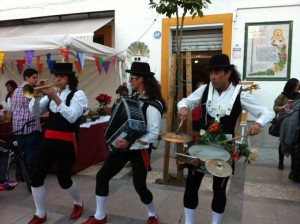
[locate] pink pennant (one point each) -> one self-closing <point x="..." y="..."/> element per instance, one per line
<point x="113" y="61"/>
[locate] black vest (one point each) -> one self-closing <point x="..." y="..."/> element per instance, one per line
<point x="228" y="122"/>
<point x="59" y="123"/>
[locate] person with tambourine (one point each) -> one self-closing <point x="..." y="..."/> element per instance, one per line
<point x="221" y="101"/>
<point x="143" y="81"/>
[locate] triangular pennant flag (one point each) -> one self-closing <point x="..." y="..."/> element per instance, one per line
<point x="48" y="56"/>
<point x="113" y="61"/>
<point x="77" y="65"/>
<point x="50" y="65"/>
<point x="20" y="65"/>
<point x="100" y="58"/>
<point x="38" y="61"/>
<point x="97" y="64"/>
<point x="2" y="69"/>
<point x="1" y="58"/>
<point x="29" y="55"/>
<point x="106" y="66"/>
<point x="65" y="53"/>
<point x="40" y="68"/>
<point x="81" y="58"/>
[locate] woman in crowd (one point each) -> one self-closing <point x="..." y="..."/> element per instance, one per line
<point x="283" y="101"/>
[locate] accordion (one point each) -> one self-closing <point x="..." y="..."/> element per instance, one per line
<point x="126" y="122"/>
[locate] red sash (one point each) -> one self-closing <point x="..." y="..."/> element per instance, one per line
<point x="145" y="157"/>
<point x="65" y="136"/>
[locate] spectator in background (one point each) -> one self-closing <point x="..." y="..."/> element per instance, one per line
<point x="122" y="91"/>
<point x="29" y="141"/>
<point x="10" y="85"/>
<point x="196" y="116"/>
<point x="283" y="101"/>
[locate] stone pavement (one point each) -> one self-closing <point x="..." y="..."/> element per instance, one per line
<point x="258" y="193"/>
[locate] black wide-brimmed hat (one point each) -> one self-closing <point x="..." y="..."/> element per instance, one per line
<point x="140" y="69"/>
<point x="63" y="69"/>
<point x="219" y="61"/>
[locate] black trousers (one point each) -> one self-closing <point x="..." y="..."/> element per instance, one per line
<point x="114" y="164"/>
<point x="61" y="152"/>
<point x="193" y="182"/>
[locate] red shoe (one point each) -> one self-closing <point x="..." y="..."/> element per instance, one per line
<point x="92" y="220"/>
<point x="152" y="220"/>
<point x="77" y="211"/>
<point x="38" y="220"/>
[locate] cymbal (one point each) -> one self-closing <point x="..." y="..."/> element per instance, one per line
<point x="176" y="137"/>
<point x="218" y="168"/>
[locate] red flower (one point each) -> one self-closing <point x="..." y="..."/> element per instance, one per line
<point x="103" y="99"/>
<point x="234" y="156"/>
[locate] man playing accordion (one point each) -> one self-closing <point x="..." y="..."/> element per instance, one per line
<point x="149" y="92"/>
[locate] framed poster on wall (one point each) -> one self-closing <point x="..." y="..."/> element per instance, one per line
<point x="267" y="54"/>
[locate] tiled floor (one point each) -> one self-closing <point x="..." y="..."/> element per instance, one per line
<point x="258" y="193"/>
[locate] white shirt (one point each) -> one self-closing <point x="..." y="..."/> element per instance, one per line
<point x="248" y="102"/>
<point x="71" y="113"/>
<point x="153" y="127"/>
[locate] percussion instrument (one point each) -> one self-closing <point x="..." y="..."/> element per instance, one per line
<point x="126" y="122"/>
<point x="205" y="153"/>
<point x="176" y="137"/>
<point x="211" y="151"/>
<point x="218" y="168"/>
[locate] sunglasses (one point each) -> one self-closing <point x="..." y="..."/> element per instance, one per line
<point x="130" y="78"/>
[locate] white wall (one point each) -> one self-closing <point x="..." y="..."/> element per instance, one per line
<point x="135" y="21"/>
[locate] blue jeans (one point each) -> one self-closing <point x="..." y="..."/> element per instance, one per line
<point x="28" y="145"/>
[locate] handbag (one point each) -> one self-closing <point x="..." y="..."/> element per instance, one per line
<point x="274" y="129"/>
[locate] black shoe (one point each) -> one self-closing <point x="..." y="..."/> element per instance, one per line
<point x="280" y="166"/>
<point x="294" y="178"/>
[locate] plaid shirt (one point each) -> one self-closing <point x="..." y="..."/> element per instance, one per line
<point x="21" y="114"/>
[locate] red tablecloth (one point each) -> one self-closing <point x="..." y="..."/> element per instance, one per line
<point x="91" y="146"/>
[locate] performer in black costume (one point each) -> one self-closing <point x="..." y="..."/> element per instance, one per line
<point x="59" y="145"/>
<point x="221" y="101"/>
<point x="153" y="105"/>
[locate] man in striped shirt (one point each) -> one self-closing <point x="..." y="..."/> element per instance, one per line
<point x="29" y="140"/>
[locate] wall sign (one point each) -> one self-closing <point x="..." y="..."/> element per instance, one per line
<point x="267" y="53"/>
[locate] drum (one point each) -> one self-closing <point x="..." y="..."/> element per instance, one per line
<point x="208" y="152"/>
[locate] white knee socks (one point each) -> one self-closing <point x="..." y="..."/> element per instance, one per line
<point x="189" y="215"/>
<point x="38" y="194"/>
<point x="151" y="210"/>
<point x="73" y="192"/>
<point x="216" y="218"/>
<point x="100" y="207"/>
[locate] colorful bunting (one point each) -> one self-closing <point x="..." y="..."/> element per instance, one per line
<point x="81" y="58"/>
<point x="29" y="55"/>
<point x="78" y="68"/>
<point x="48" y="56"/>
<point x="40" y="68"/>
<point x="106" y="66"/>
<point x="50" y="64"/>
<point x="38" y="60"/>
<point x="65" y="53"/>
<point x="97" y="64"/>
<point x="20" y="65"/>
<point x="1" y="58"/>
<point x="113" y="61"/>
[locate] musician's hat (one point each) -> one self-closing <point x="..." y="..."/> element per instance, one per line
<point x="63" y="69"/>
<point x="140" y="69"/>
<point x="219" y="61"/>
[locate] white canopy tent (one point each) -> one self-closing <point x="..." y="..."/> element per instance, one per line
<point x="90" y="80"/>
